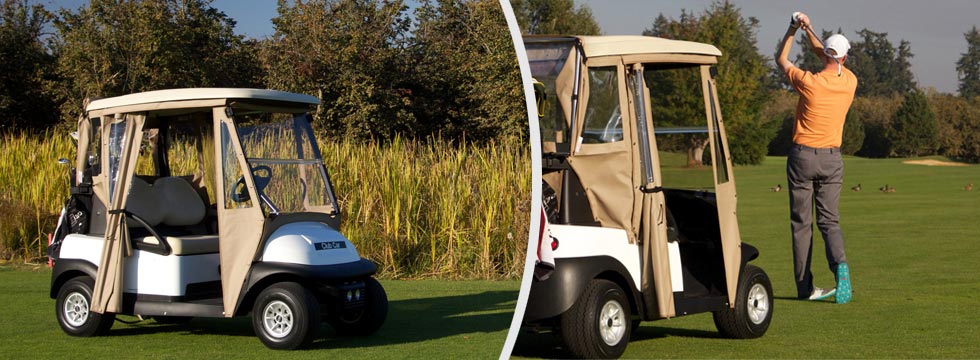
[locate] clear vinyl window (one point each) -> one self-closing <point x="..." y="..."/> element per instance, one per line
<point x="603" y="118"/>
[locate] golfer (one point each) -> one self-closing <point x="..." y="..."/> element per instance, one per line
<point x="814" y="168"/>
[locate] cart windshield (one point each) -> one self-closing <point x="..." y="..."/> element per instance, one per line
<point x="286" y="164"/>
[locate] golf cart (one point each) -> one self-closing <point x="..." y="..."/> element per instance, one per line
<point x="636" y="230"/>
<point x="213" y="203"/>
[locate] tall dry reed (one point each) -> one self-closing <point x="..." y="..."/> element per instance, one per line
<point x="419" y="209"/>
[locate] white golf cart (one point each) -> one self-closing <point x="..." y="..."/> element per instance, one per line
<point x="638" y="232"/>
<point x="208" y="203"/>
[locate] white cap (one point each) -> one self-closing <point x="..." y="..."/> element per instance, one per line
<point x="839" y="44"/>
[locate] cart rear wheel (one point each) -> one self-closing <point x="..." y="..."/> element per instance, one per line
<point x="753" y="307"/>
<point x="598" y="325"/>
<point x="73" y="307"/>
<point x="286" y="316"/>
<point x="366" y="320"/>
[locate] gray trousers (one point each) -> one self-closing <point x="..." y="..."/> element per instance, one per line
<point x="815" y="177"/>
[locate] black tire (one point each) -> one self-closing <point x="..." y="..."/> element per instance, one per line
<point x="366" y="320"/>
<point x="73" y="309"/>
<point x="753" y="307"/>
<point x="602" y="309"/>
<point x="172" y="320"/>
<point x="286" y="316"/>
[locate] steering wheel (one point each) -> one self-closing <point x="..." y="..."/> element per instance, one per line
<point x="239" y="192"/>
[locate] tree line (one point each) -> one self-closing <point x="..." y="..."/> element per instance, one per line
<point x="892" y="116"/>
<point x="381" y="69"/>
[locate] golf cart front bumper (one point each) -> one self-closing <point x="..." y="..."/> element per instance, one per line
<point x="326" y="274"/>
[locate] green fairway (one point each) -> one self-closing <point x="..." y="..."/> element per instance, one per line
<point x="426" y="319"/>
<point x="915" y="266"/>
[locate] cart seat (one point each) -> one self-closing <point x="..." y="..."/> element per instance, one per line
<point x="186" y="245"/>
<point x="170" y="201"/>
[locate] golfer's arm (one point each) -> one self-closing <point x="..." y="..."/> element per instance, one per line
<point x="815" y="43"/>
<point x="782" y="58"/>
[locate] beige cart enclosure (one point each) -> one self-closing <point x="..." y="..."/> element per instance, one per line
<point x="599" y="123"/>
<point x="115" y="133"/>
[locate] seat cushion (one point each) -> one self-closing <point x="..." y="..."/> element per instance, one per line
<point x="144" y="201"/>
<point x="181" y="203"/>
<point x="187" y="245"/>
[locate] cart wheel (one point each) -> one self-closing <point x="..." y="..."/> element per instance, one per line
<point x="366" y="320"/>
<point x="753" y="307"/>
<point x="598" y="325"/>
<point x="286" y="316"/>
<point x="73" y="309"/>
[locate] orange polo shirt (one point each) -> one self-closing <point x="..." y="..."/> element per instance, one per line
<point x="824" y="101"/>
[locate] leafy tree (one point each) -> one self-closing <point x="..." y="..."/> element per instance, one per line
<point x="112" y="48"/>
<point x="557" y="17"/>
<point x="27" y="68"/>
<point x="913" y="131"/>
<point x="968" y="67"/>
<point x="881" y="68"/>
<point x="349" y="54"/>
<point x="876" y="114"/>
<point x="468" y="76"/>
<point x="957" y="125"/>
<point x="853" y="137"/>
<point x="742" y="74"/>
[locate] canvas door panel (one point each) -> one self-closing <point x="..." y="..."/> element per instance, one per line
<point x="731" y="242"/>
<point x="124" y="134"/>
<point x="655" y="263"/>
<point x="602" y="157"/>
<point x="239" y="223"/>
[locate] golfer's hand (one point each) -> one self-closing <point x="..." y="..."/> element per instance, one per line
<point x="803" y="19"/>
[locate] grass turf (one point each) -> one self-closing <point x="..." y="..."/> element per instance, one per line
<point x="915" y="265"/>
<point x="426" y="319"/>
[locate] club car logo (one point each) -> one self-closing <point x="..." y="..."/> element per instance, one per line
<point x="330" y="245"/>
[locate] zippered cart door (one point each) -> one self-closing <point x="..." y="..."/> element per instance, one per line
<point x="721" y="161"/>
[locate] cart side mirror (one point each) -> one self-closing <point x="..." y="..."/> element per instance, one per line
<point x="63" y="161"/>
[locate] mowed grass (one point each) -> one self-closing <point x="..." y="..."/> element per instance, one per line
<point x="426" y="319"/>
<point x="915" y="266"/>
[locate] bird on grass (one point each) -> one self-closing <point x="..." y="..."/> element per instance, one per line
<point x="777" y="188"/>
<point x="856" y="188"/>
<point x="887" y="189"/>
<point x="968" y="187"/>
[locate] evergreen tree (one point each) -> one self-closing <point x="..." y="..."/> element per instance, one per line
<point x="913" y="131"/>
<point x="881" y="68"/>
<point x="968" y="67"/>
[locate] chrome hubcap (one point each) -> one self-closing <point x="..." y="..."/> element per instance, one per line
<point x="758" y="304"/>
<point x="612" y="323"/>
<point x="76" y="309"/>
<point x="277" y="319"/>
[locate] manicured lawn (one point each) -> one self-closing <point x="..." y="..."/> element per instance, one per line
<point x="427" y="319"/>
<point x="915" y="267"/>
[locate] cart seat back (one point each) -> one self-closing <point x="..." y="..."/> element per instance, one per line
<point x="171" y="201"/>
<point x="183" y="206"/>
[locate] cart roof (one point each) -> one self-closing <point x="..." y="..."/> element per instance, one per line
<point x="633" y="44"/>
<point x="195" y="94"/>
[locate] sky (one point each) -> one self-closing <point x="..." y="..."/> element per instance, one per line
<point x="934" y="28"/>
